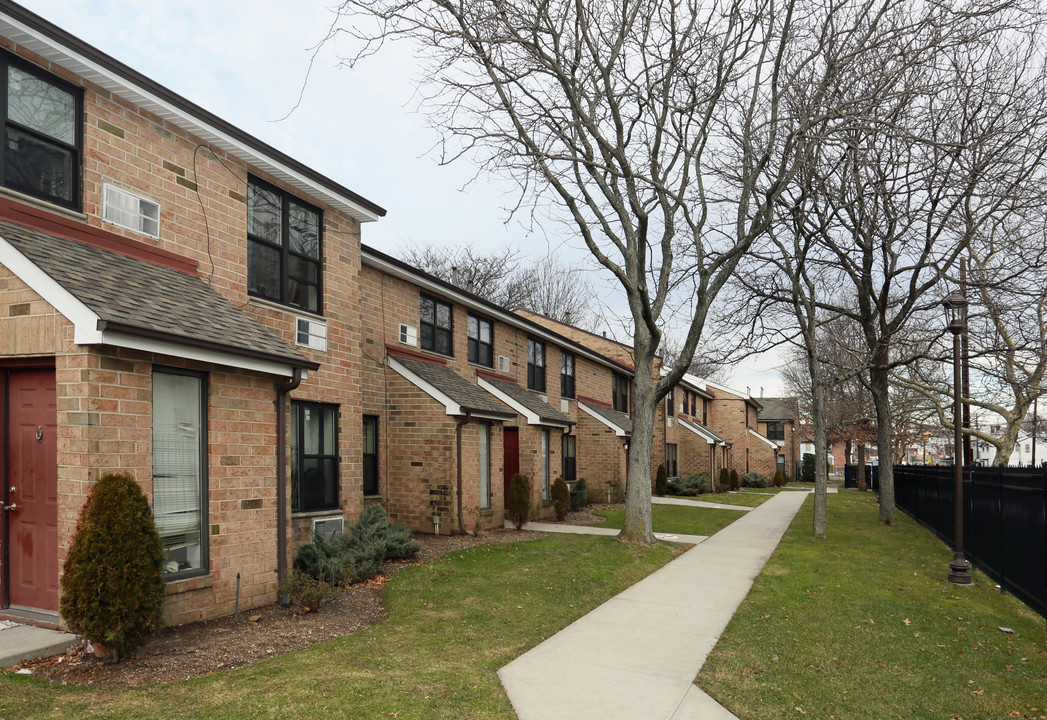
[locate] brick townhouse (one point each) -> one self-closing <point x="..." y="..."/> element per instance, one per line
<point x="777" y="420"/>
<point x="733" y="415"/>
<point x="691" y="447"/>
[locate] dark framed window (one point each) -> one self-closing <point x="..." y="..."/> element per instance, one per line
<point x="670" y="460"/>
<point x="283" y="247"/>
<point x="775" y="431"/>
<point x="535" y="365"/>
<point x="370" y="455"/>
<point x="484" y="460"/>
<point x="436" y="325"/>
<point x="566" y="375"/>
<point x="620" y="393"/>
<point x="314" y="456"/>
<point x="43" y="133"/>
<point x="694" y="405"/>
<point x="705" y="411"/>
<point x="569" y="448"/>
<point x="546" y="492"/>
<point x="481" y="341"/>
<point x="671" y="404"/>
<point x="180" y="470"/>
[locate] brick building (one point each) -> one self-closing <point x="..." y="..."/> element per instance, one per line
<point x="732" y="414"/>
<point x="778" y="422"/>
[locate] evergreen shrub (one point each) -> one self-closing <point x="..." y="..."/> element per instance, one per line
<point x="807" y="468"/>
<point x="518" y="501"/>
<point x="660" y="482"/>
<point x="561" y="498"/>
<point x="779" y="478"/>
<point x="754" y="480"/>
<point x="112" y="587"/>
<point x="579" y="495"/>
<point x="725" y="480"/>
<point x="307" y="592"/>
<point x="734" y="479"/>
<point x="689" y="486"/>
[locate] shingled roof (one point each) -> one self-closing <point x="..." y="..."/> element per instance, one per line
<point x="534" y="405"/>
<point x="609" y="417"/>
<point x="469" y="398"/>
<point x="777" y="409"/>
<point x="705" y="432"/>
<point x="138" y="298"/>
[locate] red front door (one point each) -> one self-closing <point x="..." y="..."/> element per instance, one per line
<point x="31" y="496"/>
<point x="511" y="444"/>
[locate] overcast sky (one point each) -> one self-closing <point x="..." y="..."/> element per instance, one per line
<point x="247" y="63"/>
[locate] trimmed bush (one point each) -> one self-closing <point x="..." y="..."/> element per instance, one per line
<point x="561" y="498"/>
<point x="779" y="478"/>
<point x="112" y="587"/>
<point x="518" y="501"/>
<point x="735" y="484"/>
<point x="579" y="495"/>
<point x="754" y="480"/>
<point x="660" y="482"/>
<point x="689" y="486"/>
<point x="308" y="593"/>
<point x="807" y="468"/>
<point x="725" y="480"/>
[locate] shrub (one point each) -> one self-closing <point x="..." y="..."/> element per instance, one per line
<point x="579" y="495"/>
<point x="725" y="480"/>
<point x="807" y="468"/>
<point x="374" y="523"/>
<point x="561" y="498"/>
<point x="734" y="479"/>
<point x="305" y="591"/>
<point x="660" y="481"/>
<point x="779" y="478"/>
<point x="112" y="588"/>
<point x="689" y="486"/>
<point x="754" y="480"/>
<point x="518" y="501"/>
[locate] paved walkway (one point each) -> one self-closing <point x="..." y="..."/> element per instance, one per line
<point x="25" y="642"/>
<point x="599" y="530"/>
<point x="697" y="503"/>
<point x="636" y="656"/>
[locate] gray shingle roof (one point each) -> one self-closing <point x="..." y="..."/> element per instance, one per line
<point x="615" y="417"/>
<point x="777" y="409"/>
<point x="471" y="398"/>
<point x="702" y="430"/>
<point x="139" y="298"/>
<point x="530" y="400"/>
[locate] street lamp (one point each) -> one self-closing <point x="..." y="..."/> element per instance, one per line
<point x="955" y="305"/>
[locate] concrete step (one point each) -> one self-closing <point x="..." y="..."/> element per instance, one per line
<point x="25" y="642"/>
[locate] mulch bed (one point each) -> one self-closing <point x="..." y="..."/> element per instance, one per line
<point x="203" y="648"/>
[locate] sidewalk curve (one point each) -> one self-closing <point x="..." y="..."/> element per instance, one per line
<point x="636" y="656"/>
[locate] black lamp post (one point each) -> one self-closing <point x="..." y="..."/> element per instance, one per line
<point x="956" y="316"/>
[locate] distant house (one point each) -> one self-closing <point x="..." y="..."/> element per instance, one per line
<point x="778" y="418"/>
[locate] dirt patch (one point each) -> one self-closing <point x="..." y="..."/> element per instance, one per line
<point x="192" y="650"/>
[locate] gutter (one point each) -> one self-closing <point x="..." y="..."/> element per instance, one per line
<point x="283" y="389"/>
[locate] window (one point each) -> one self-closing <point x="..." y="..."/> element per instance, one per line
<point x="545" y="466"/>
<point x="283" y="247"/>
<point x="670" y="459"/>
<point x="436" y="324"/>
<point x="671" y="404"/>
<point x="775" y="431"/>
<point x="569" y="450"/>
<point x="780" y="462"/>
<point x="314" y="456"/>
<point x="370" y="455"/>
<point x="42" y="134"/>
<point x="535" y="365"/>
<point x="481" y="341"/>
<point x="180" y="470"/>
<point x="620" y="393"/>
<point x="566" y="375"/>
<point x="484" y="459"/>
<point x="694" y="405"/>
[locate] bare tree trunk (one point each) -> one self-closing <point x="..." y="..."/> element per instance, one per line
<point x="821" y="473"/>
<point x="862" y="485"/>
<point x="637" y="525"/>
<point x="882" y="401"/>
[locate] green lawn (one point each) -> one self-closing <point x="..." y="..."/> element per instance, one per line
<point x="864" y="625"/>
<point x="678" y="519"/>
<point x="451" y="625"/>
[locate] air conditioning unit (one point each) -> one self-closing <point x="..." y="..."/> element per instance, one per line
<point x="408" y="335"/>
<point x="127" y="210"/>
<point x="668" y="422"/>
<point x="565" y="405"/>
<point x="329" y="528"/>
<point x="504" y="365"/>
<point x="311" y="333"/>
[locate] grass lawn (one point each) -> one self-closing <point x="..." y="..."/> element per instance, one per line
<point x="451" y="625"/>
<point x="678" y="519"/>
<point x="864" y="625"/>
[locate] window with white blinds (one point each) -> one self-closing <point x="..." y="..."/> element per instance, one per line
<point x="179" y="471"/>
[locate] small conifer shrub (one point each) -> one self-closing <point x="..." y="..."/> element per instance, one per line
<point x="754" y="480"/>
<point x="735" y="482"/>
<point x="561" y="498"/>
<point x="660" y="482"/>
<point x="112" y="588"/>
<point x="579" y="495"/>
<point x="725" y="480"/>
<point x="308" y="593"/>
<point x="518" y="501"/>
<point x="807" y="468"/>
<point x="779" y="478"/>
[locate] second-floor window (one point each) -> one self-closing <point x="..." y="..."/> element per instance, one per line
<point x="535" y="365"/>
<point x="620" y="393"/>
<point x="671" y="407"/>
<point x="481" y="341"/>
<point x="566" y="375"/>
<point x="775" y="431"/>
<point x="436" y="325"/>
<point x="283" y="247"/>
<point x="42" y="134"/>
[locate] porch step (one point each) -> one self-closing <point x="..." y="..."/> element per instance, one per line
<point x="25" y="642"/>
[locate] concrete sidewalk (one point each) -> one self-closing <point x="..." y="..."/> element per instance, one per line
<point x="698" y="503"/>
<point x="25" y="642"/>
<point x="600" y="530"/>
<point x="636" y="656"/>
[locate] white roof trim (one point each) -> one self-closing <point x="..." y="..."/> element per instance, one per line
<point x="772" y="443"/>
<point x="428" y="388"/>
<point x="697" y="431"/>
<point x="619" y="431"/>
<point x="519" y="407"/>
<point x="192" y="353"/>
<point x="93" y="72"/>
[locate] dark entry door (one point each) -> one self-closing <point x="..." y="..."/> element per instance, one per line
<point x="32" y="489"/>
<point x="511" y="444"/>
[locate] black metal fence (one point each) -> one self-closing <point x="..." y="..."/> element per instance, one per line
<point x="872" y="477"/>
<point x="1004" y="520"/>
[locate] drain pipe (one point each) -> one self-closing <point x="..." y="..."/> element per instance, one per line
<point x="458" y="441"/>
<point x="282" y="391"/>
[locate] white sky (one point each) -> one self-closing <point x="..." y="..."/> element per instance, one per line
<point x="246" y="62"/>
